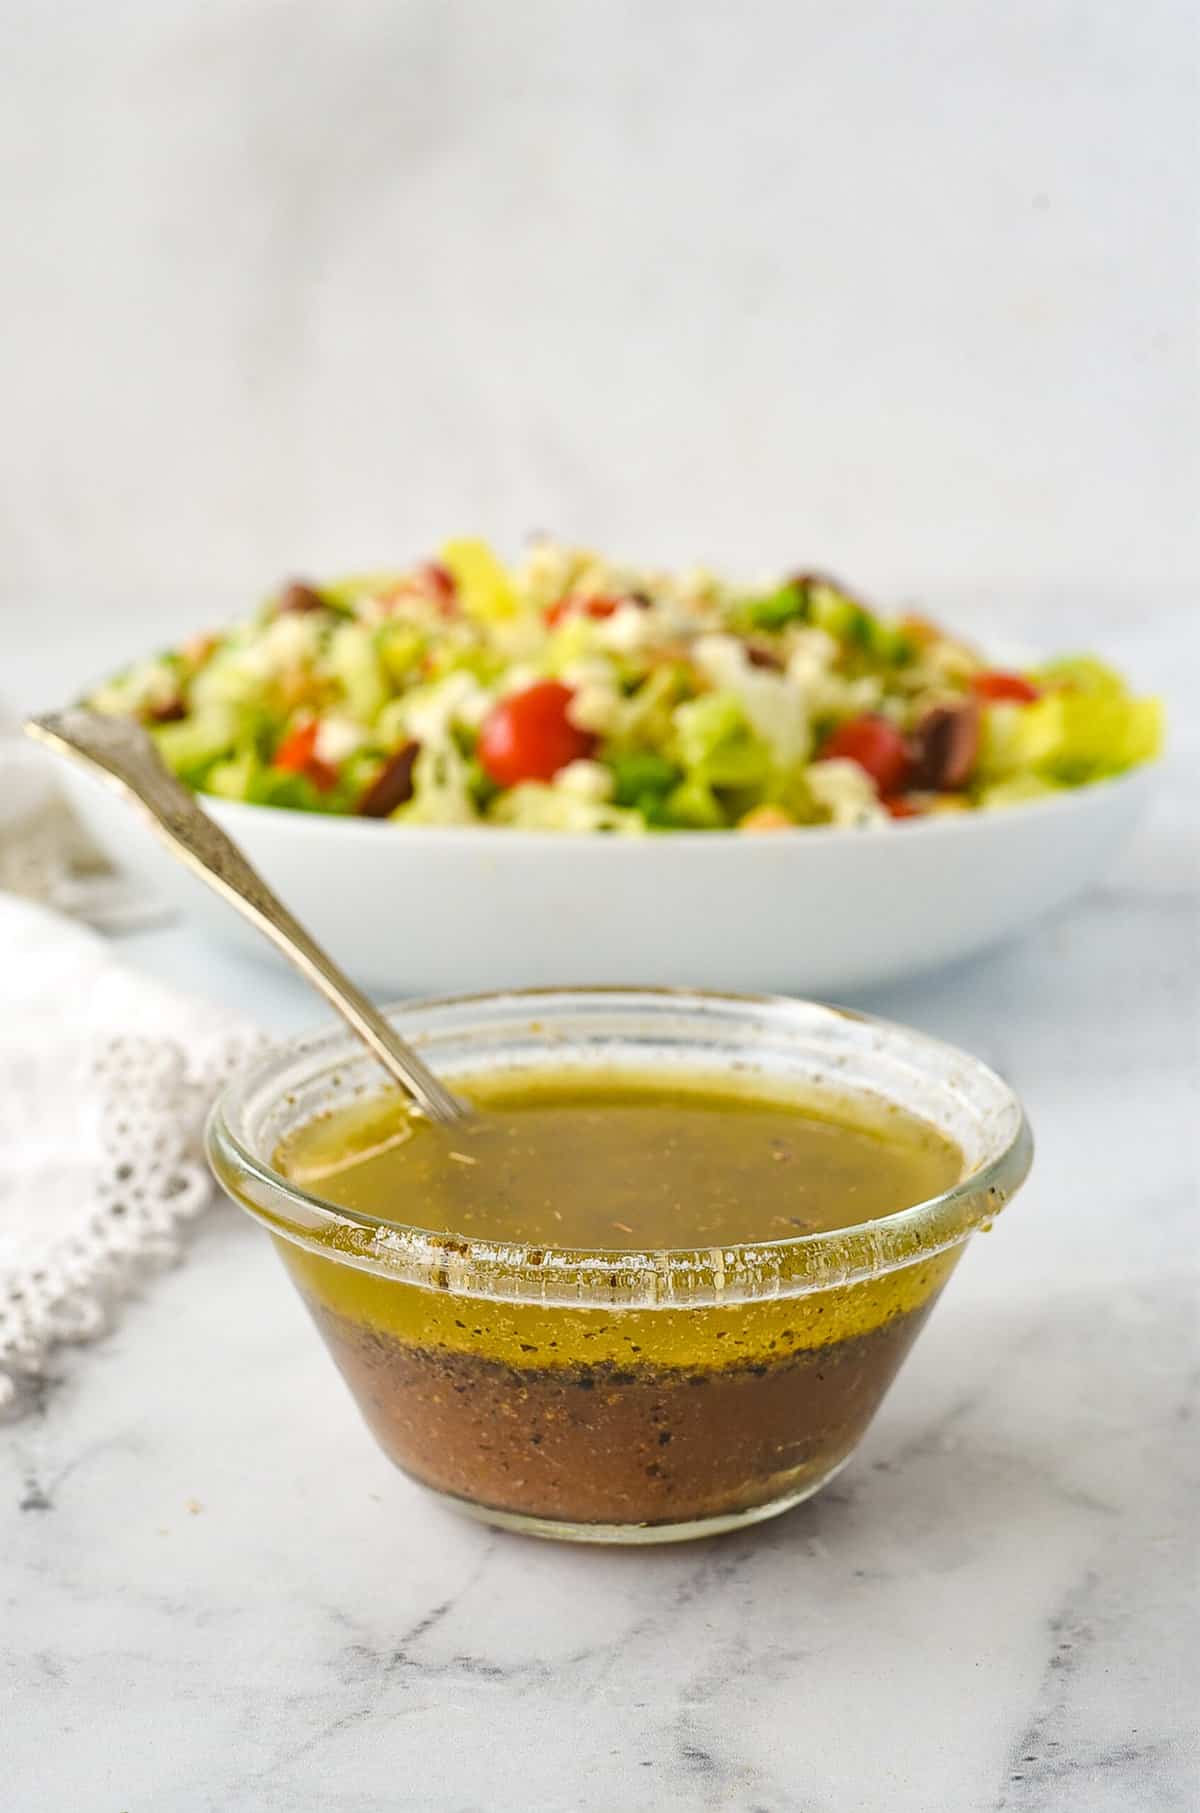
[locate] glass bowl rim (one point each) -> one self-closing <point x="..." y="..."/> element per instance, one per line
<point x="793" y="1265"/>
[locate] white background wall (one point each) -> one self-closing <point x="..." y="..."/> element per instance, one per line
<point x="906" y="290"/>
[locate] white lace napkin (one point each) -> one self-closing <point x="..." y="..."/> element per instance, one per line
<point x="105" y="1077"/>
<point x="45" y="853"/>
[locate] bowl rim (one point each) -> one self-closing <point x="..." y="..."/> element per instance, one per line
<point x="942" y="824"/>
<point x="664" y="1277"/>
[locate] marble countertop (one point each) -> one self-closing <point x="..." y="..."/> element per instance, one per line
<point x="218" y="1596"/>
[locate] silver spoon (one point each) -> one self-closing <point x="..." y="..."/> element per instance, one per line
<point x="124" y="755"/>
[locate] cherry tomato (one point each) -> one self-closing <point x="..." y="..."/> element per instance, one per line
<point x="574" y="607"/>
<point x="297" y="754"/>
<point x="878" y="748"/>
<point x="898" y="807"/>
<point x="529" y="737"/>
<point x="994" y="684"/>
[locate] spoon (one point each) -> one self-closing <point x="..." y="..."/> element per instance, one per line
<point x="124" y="755"/>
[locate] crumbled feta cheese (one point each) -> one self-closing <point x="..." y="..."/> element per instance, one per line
<point x="337" y="737"/>
<point x="846" y="792"/>
<point x="459" y="698"/>
<point x="598" y="701"/>
<point x="290" y="640"/>
<point x="517" y="678"/>
<point x="585" y="780"/>
<point x="520" y="639"/>
<point x="811" y="654"/>
<point x="152" y="684"/>
<point x="774" y="707"/>
<point x="811" y="668"/>
<point x="589" y="670"/>
<point x="628" y="629"/>
<point x="595" y="709"/>
<point x="547" y="573"/>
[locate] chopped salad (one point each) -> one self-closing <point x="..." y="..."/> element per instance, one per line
<point x="569" y="693"/>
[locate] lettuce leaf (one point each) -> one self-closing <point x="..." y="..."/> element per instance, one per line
<point x="692" y="806"/>
<point x="443" y="792"/>
<point x="354" y="661"/>
<point x="191" y="746"/>
<point x="715" y="744"/>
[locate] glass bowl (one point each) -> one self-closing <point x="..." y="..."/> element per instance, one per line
<point x="616" y="1396"/>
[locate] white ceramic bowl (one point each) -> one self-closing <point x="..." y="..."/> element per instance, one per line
<point x="824" y="912"/>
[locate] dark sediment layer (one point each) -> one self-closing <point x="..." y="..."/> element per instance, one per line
<point x="600" y="1444"/>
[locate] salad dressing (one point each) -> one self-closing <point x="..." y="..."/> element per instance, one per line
<point x="647" y="1413"/>
<point x="595" y="1159"/>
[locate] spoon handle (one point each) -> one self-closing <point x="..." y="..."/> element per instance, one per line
<point x="125" y="756"/>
